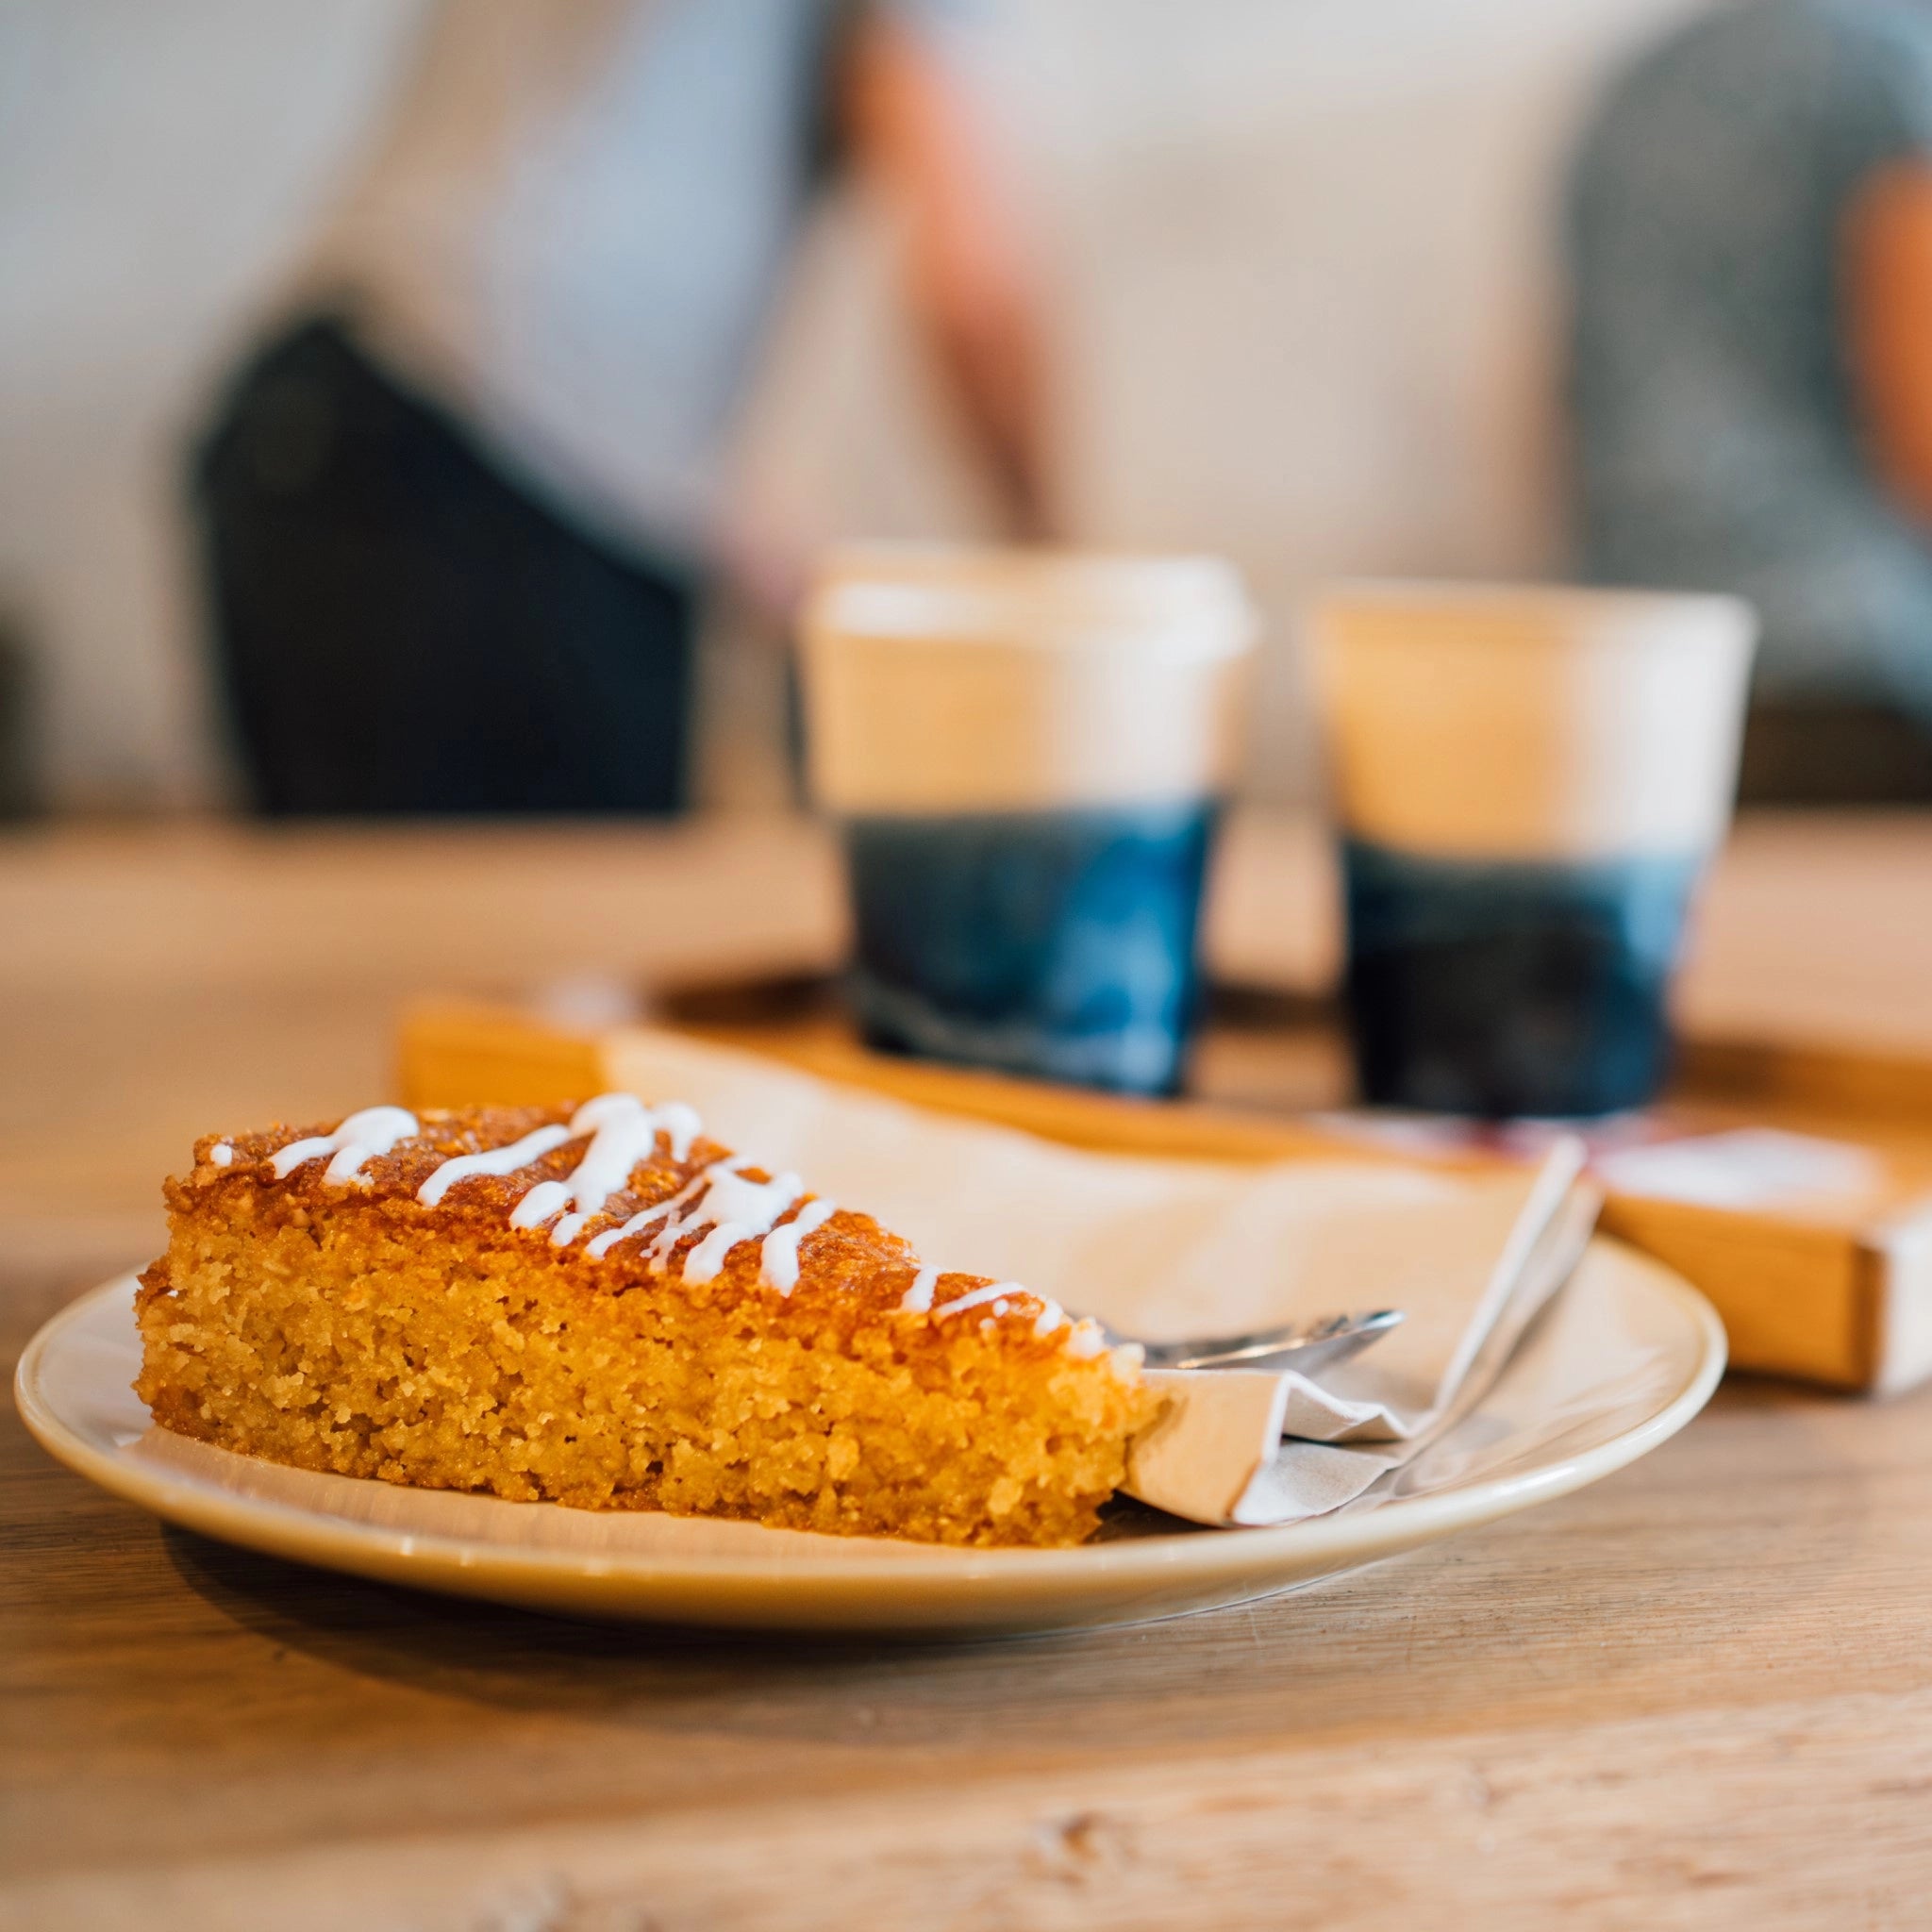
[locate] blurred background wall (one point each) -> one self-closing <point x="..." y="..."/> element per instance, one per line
<point x="1302" y="257"/>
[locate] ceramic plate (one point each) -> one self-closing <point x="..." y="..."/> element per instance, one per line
<point x="1625" y="1358"/>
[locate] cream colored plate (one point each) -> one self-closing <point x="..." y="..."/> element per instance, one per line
<point x="1628" y="1355"/>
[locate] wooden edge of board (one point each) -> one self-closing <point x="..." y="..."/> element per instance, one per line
<point x="456" y="1053"/>
<point x="1865" y="1083"/>
<point x="459" y="1051"/>
<point x="1796" y="1299"/>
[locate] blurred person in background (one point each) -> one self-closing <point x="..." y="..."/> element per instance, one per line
<point x="460" y="508"/>
<point x="1751" y="366"/>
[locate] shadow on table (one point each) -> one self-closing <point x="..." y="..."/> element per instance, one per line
<point x="1677" y="1571"/>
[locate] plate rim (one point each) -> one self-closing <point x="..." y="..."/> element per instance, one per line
<point x="440" y="1560"/>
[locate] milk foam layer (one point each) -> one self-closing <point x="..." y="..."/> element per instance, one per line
<point x="942" y="680"/>
<point x="1472" y="722"/>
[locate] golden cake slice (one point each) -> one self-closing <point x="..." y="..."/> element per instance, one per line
<point x="597" y="1305"/>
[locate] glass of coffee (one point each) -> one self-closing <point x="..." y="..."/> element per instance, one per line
<point x="1026" y="754"/>
<point x="1530" y="782"/>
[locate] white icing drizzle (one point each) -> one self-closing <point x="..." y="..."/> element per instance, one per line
<point x="602" y="1243"/>
<point x="545" y="1199"/>
<point x="221" y="1155"/>
<point x="756" y="1205"/>
<point x="696" y="1217"/>
<point x="778" y="1258"/>
<point x="741" y="1210"/>
<point x="359" y="1138"/>
<point x="1085" y="1338"/>
<point x="499" y="1161"/>
<point x="681" y="1127"/>
<point x="624" y="1131"/>
<point x="917" y="1299"/>
<point x="1088" y="1339"/>
<point x="706" y="1262"/>
<point x="979" y="1297"/>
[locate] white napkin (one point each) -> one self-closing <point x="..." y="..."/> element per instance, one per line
<point x="1290" y="1446"/>
<point x="1168" y="1248"/>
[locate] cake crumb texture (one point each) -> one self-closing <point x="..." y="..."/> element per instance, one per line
<point x="353" y="1330"/>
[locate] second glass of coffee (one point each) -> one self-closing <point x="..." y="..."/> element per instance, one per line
<point x="1530" y="781"/>
<point x="1027" y="753"/>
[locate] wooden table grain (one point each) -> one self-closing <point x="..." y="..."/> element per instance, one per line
<point x="1699" y="1694"/>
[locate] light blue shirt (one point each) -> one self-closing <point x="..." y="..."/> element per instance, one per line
<point x="574" y="231"/>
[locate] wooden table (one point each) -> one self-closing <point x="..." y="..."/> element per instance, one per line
<point x="1698" y="1695"/>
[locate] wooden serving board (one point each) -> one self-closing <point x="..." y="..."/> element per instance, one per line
<point x="1826" y="1277"/>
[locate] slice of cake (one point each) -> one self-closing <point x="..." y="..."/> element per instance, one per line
<point x="597" y="1305"/>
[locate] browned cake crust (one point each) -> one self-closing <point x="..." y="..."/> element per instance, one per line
<point x="345" y="1325"/>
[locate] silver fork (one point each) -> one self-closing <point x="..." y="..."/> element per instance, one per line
<point x="1300" y="1345"/>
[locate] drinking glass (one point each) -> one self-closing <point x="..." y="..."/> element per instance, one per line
<point x="1026" y="754"/>
<point x="1530" y="782"/>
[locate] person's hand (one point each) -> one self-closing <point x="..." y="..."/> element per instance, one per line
<point x="1886" y="276"/>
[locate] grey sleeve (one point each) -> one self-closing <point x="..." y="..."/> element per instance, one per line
<point x="1875" y="88"/>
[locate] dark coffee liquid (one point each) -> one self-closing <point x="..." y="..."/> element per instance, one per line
<point x="1055" y="943"/>
<point x="1512" y="988"/>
